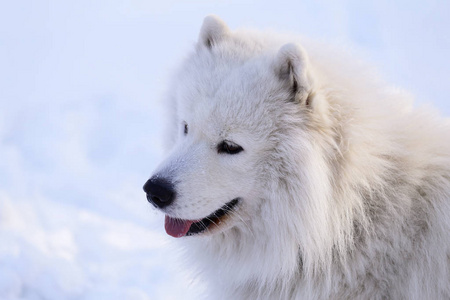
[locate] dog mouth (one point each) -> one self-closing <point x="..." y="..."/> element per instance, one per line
<point x="180" y="227"/>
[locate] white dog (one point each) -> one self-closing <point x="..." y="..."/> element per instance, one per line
<point x="295" y="174"/>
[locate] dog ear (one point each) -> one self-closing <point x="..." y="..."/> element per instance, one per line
<point x="291" y="66"/>
<point x="213" y="30"/>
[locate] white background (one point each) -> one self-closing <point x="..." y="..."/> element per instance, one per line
<point x="81" y="86"/>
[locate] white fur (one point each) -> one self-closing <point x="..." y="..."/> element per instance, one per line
<point x="345" y="188"/>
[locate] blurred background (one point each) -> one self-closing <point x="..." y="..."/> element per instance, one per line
<point x="81" y="122"/>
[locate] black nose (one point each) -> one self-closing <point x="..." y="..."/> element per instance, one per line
<point x="160" y="192"/>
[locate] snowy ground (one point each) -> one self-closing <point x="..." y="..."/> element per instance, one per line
<point x="80" y="126"/>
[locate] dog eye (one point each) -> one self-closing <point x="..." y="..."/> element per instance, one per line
<point x="186" y="129"/>
<point x="229" y="148"/>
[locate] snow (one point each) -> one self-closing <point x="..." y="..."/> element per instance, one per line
<point x="81" y="117"/>
<point x="54" y="251"/>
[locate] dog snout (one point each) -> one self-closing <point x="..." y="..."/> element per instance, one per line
<point x="160" y="192"/>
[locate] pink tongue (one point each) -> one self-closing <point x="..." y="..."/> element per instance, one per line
<point x="177" y="227"/>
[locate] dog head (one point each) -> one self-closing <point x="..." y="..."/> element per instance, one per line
<point x="234" y="101"/>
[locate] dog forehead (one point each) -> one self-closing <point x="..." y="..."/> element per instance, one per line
<point x="222" y="94"/>
<point x="227" y="85"/>
<point x="236" y="103"/>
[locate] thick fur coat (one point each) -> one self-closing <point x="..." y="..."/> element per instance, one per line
<point x="341" y="187"/>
